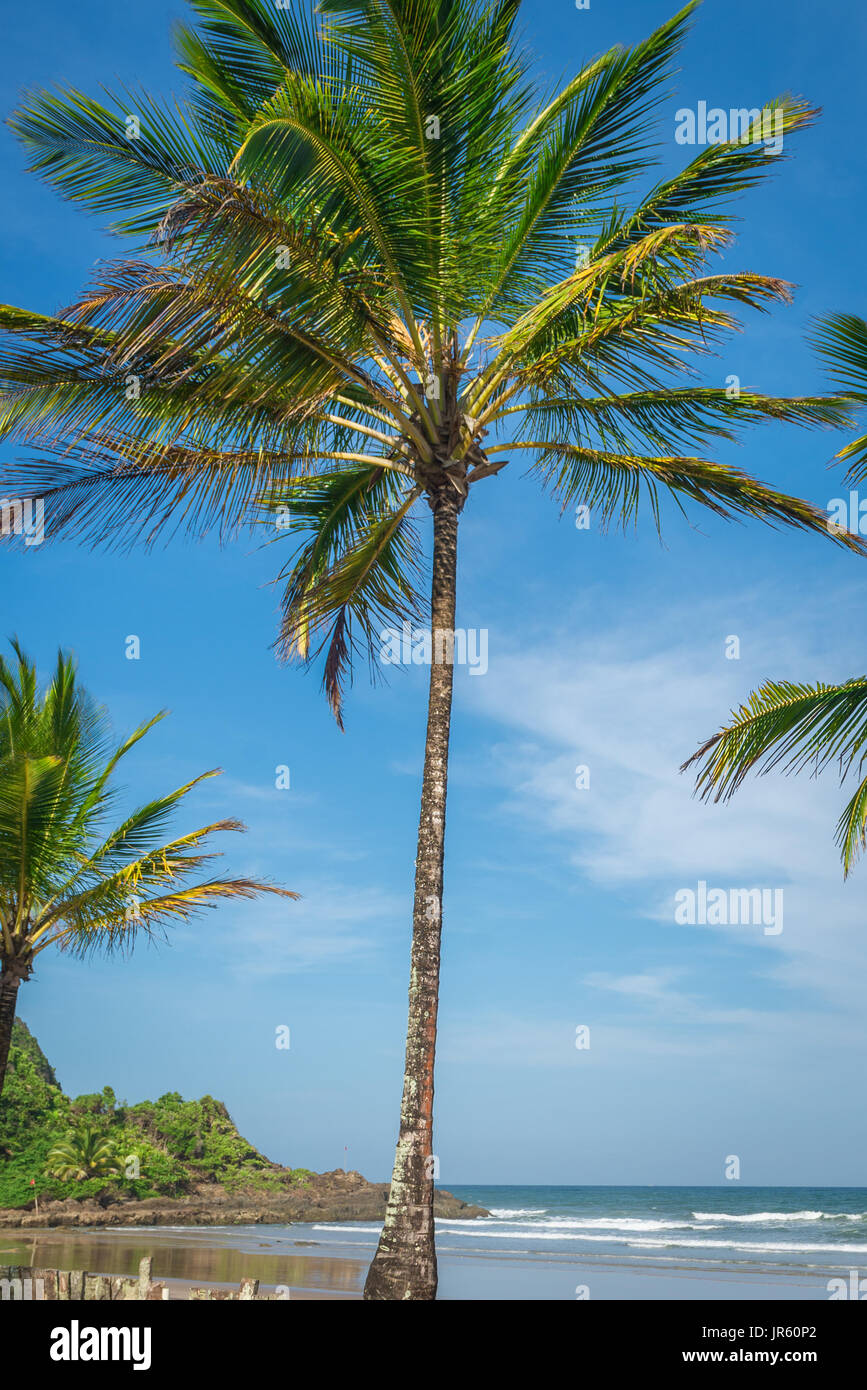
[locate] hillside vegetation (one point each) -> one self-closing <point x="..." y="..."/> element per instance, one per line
<point x="163" y="1148"/>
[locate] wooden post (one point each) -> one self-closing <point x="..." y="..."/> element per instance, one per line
<point x="144" y="1276"/>
<point x="77" y="1285"/>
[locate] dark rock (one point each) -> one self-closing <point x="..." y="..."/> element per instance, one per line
<point x="335" y="1196"/>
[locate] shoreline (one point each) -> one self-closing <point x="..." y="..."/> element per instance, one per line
<point x="186" y="1257"/>
<point x="333" y="1269"/>
<point x="337" y="1196"/>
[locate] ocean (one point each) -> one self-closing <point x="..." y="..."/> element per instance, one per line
<point x="676" y="1244"/>
<point x="798" y="1226"/>
<point x="649" y="1242"/>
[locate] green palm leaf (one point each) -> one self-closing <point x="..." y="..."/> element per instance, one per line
<point x="789" y="726"/>
<point x="66" y="877"/>
<point x="841" y="341"/>
<point x="82" y="1153"/>
<point x="792" y="727"/>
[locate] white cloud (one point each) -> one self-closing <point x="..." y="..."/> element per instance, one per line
<point x="632" y="711"/>
<point x="332" y="923"/>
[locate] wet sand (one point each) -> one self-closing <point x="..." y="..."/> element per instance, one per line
<point x="221" y="1257"/>
<point x="492" y="1277"/>
<point x="196" y="1256"/>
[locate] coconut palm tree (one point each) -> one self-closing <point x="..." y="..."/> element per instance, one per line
<point x="83" y="1153"/>
<point x="375" y="264"/>
<point x="794" y="726"/>
<point x="66" y="879"/>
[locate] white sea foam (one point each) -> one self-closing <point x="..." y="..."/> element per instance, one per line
<point x="612" y="1223"/>
<point x="352" y="1227"/>
<point x="631" y="1232"/>
<point x="618" y="1223"/>
<point x="762" y="1247"/>
<point x="763" y="1217"/>
<point x="530" y="1237"/>
<point x="590" y="1223"/>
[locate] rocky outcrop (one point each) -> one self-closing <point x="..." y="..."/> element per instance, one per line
<point x="194" y="1167"/>
<point x="336" y="1196"/>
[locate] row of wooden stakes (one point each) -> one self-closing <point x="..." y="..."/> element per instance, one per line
<point x="23" y="1282"/>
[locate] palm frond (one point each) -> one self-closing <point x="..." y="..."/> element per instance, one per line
<point x="792" y="727"/>
<point x="614" y="486"/>
<point x="117" y="927"/>
<point x="64" y="878"/>
<point x="841" y="341"/>
<point x="356" y="574"/>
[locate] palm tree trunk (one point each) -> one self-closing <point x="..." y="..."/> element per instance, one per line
<point x="405" y="1264"/>
<point x="9" y="982"/>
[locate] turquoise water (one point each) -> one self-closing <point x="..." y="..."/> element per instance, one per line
<point x="794" y="1226"/>
<point x="787" y="1234"/>
<point x="657" y="1243"/>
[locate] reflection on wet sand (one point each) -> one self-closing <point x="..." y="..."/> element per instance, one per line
<point x="191" y="1257"/>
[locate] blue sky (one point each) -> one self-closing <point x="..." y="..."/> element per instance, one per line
<point x="605" y="651"/>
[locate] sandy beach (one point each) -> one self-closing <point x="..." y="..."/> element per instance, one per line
<point x="196" y="1256"/>
<point x="330" y="1265"/>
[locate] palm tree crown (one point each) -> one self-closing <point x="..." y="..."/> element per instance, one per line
<point x="370" y="248"/>
<point x="67" y="878"/>
<point x="82" y="1153"/>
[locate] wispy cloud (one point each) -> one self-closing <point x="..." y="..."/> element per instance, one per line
<point x="631" y="711"/>
<point x="331" y="924"/>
